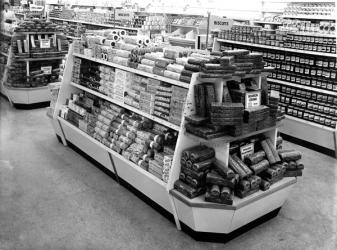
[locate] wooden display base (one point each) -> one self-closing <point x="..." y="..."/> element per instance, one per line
<point x="223" y="238"/>
<point x="199" y="236"/>
<point x="28" y="98"/>
<point x="202" y="216"/>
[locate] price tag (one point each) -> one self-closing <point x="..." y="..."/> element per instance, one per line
<point x="123" y="15"/>
<point x="45" y="43"/>
<point x="253" y="99"/>
<point x="46" y="70"/>
<point x="219" y="23"/>
<point x="246" y="151"/>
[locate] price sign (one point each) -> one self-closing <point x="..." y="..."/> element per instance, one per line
<point x="45" y="43"/>
<point x="123" y="15"/>
<point x="219" y="23"/>
<point x="246" y="150"/>
<point x="253" y="99"/>
<point x="34" y="7"/>
<point x="46" y="70"/>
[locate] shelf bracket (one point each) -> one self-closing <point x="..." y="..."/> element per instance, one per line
<point x="335" y="136"/>
<point x="114" y="167"/>
<point x="63" y="137"/>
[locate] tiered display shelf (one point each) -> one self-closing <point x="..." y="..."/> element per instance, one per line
<point x="197" y="214"/>
<point x="27" y="95"/>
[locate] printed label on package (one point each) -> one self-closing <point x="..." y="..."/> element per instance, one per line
<point x="45" y="43"/>
<point x="123" y="15"/>
<point x="253" y="99"/>
<point x="246" y="151"/>
<point x="219" y="23"/>
<point x="46" y="70"/>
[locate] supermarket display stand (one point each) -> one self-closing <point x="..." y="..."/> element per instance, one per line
<point x="198" y="215"/>
<point x="27" y="97"/>
<point x="306" y="131"/>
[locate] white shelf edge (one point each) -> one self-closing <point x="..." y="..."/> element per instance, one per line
<point x="228" y="138"/>
<point x="278" y="48"/>
<point x="135" y="71"/>
<point x="26" y="89"/>
<point x="328" y="92"/>
<point x="310" y="17"/>
<point x="312" y="34"/>
<point x="133" y="109"/>
<point x="266" y="22"/>
<point x="95" y="24"/>
<point x="32" y="59"/>
<point x="93" y="140"/>
<point x="309" y="123"/>
<point x="181" y="40"/>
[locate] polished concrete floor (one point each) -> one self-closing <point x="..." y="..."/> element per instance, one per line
<point x="53" y="198"/>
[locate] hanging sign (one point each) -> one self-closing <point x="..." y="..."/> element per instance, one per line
<point x="46" y="70"/>
<point x="220" y="23"/>
<point x="45" y="43"/>
<point x="253" y="99"/>
<point x="123" y="15"/>
<point x="34" y="7"/>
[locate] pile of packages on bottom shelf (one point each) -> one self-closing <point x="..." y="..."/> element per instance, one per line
<point x="152" y="96"/>
<point x="138" y="139"/>
<point x="173" y="62"/>
<point x="255" y="169"/>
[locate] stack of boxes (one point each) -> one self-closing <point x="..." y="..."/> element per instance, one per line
<point x="122" y="81"/>
<point x="162" y="101"/>
<point x="177" y="104"/>
<point x="107" y="75"/>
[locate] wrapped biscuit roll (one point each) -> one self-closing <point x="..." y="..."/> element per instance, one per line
<point x="215" y="191"/>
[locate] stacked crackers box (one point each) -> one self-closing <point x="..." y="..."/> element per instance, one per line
<point x="177" y="104"/>
<point x="224" y="114"/>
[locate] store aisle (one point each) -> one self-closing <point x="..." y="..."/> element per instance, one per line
<point x="53" y="198"/>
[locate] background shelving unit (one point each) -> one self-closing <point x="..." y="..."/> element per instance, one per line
<point x="202" y="218"/>
<point x="27" y="95"/>
<point x="299" y="128"/>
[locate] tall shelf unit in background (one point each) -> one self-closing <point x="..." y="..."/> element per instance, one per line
<point x="301" y="92"/>
<point x="197" y="214"/>
<point x="29" y="92"/>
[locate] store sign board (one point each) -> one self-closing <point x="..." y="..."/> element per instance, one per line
<point x="46" y="70"/>
<point x="45" y="43"/>
<point x="123" y="15"/>
<point x="246" y="150"/>
<point x="34" y="7"/>
<point x="219" y="23"/>
<point x="253" y="99"/>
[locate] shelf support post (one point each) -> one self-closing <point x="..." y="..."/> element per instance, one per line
<point x="114" y="167"/>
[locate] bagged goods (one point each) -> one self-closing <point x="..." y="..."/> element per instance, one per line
<point x="236" y="168"/>
<point x="187" y="190"/>
<point x="224" y="171"/>
<point x="242" y="165"/>
<point x="255" y="158"/>
<point x="175" y="68"/>
<point x="260" y="166"/>
<point x="290" y="156"/>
